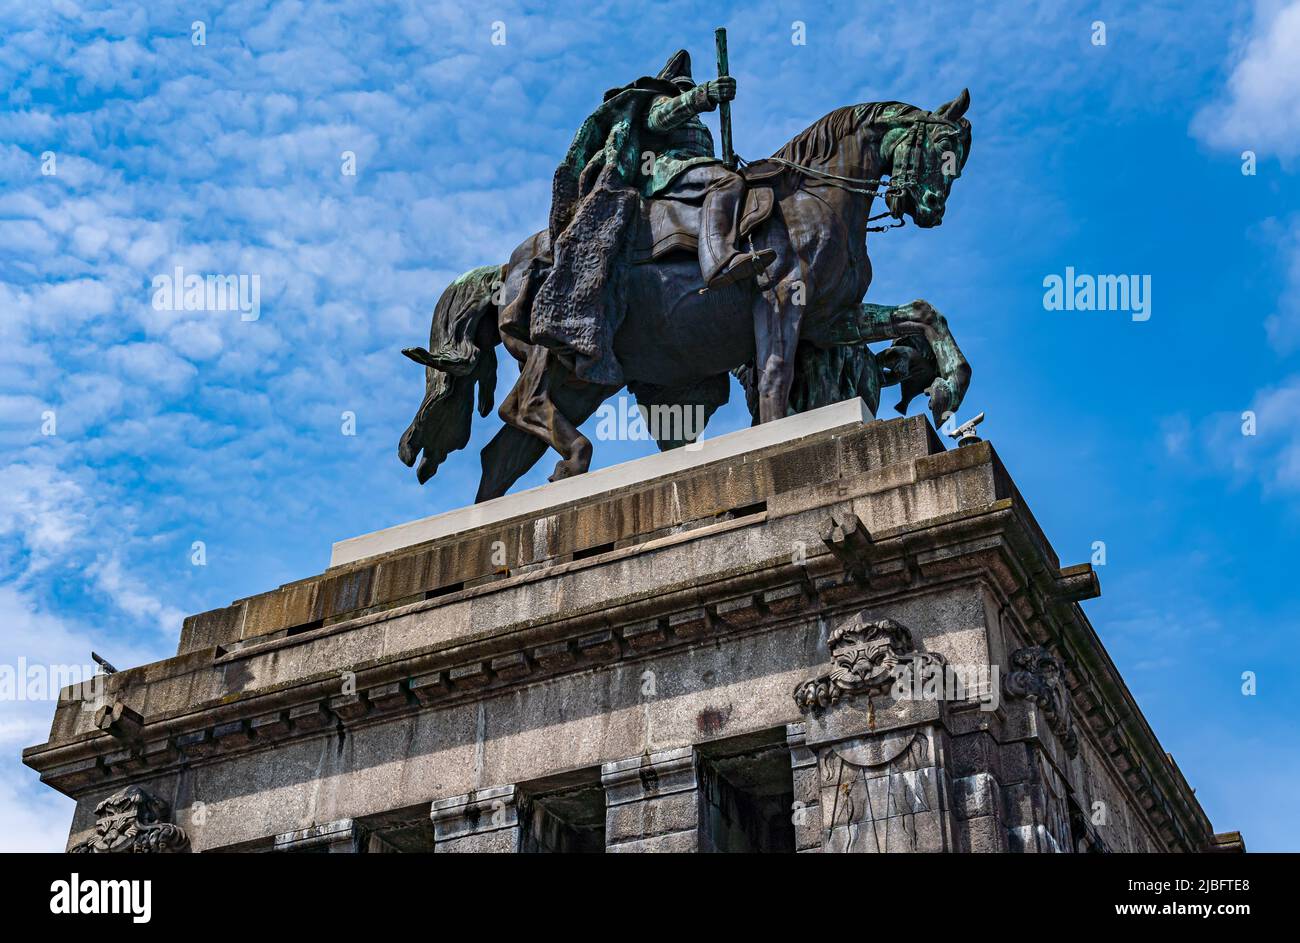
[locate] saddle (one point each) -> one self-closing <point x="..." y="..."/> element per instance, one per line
<point x="671" y="221"/>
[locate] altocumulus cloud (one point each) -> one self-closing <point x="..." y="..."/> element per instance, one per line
<point x="128" y="151"/>
<point x="177" y="426"/>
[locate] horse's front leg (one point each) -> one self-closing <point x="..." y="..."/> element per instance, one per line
<point x="866" y="323"/>
<point x="532" y="407"/>
<point x="776" y="335"/>
<point x="949" y="389"/>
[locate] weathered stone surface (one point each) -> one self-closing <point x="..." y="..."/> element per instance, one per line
<point x="486" y="820"/>
<point x="645" y="638"/>
<point x="210" y="629"/>
<point x="671" y="465"/>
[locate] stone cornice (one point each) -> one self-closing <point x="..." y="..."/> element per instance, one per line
<point x="978" y="529"/>
<point x="758" y="600"/>
<point x="761" y="597"/>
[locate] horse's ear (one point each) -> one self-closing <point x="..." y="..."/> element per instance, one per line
<point x="954" y="109"/>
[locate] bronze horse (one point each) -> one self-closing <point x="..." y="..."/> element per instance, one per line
<point x="796" y="339"/>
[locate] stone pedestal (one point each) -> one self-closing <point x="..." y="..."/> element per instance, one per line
<point x="479" y="822"/>
<point x="704" y="650"/>
<point x="328" y="838"/>
<point x="653" y="802"/>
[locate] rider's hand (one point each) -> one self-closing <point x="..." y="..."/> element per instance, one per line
<point x="722" y="89"/>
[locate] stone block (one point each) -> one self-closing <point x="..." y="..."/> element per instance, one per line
<point x="674" y="843"/>
<point x="285" y="608"/>
<point x="677" y="569"/>
<point x="218" y="627"/>
<point x="976" y="796"/>
<point x="654" y="815"/>
<point x="486" y="820"/>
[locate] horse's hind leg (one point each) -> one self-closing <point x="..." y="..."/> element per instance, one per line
<point x="549" y="410"/>
<point x="572" y="405"/>
<point x="776" y="338"/>
<point x="508" y="456"/>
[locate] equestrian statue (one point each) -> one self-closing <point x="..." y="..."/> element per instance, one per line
<point x="666" y="269"/>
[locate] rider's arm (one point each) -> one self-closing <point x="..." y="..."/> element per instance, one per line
<point x="668" y="112"/>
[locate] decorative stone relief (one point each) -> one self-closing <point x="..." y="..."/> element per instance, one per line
<point x="133" y="821"/>
<point x="867" y="658"/>
<point x="882" y="794"/>
<point x="1038" y="676"/>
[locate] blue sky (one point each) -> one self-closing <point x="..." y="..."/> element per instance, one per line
<point x="175" y="427"/>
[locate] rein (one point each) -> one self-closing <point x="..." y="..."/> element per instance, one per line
<point x="847" y="184"/>
<point x="904" y="181"/>
<point x="830" y="177"/>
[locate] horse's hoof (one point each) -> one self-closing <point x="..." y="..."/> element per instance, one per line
<point x="942" y="400"/>
<point x="564" y="469"/>
<point x="922" y="311"/>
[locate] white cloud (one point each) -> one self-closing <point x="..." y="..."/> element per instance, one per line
<point x="1283" y="325"/>
<point x="1264" y="450"/>
<point x="1260" y="108"/>
<point x="1259" y="111"/>
<point x="50" y="521"/>
<point x="40" y="510"/>
<point x="33" y="817"/>
<point x="132" y="596"/>
<point x="1276" y="409"/>
<point x="152" y="364"/>
<point x="1176" y="433"/>
<point x="226" y="159"/>
<point x="197" y="340"/>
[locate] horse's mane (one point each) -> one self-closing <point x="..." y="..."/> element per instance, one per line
<point x="819" y="142"/>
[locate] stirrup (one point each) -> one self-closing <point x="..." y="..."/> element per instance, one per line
<point x="744" y="265"/>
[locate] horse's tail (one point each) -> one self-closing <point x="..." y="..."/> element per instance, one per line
<point x="462" y="352"/>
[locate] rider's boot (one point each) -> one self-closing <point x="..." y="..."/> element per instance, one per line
<point x="721" y="262"/>
<point x="742" y="266"/>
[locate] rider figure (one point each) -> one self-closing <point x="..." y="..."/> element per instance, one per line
<point x="677" y="136"/>
<point x="566" y="301"/>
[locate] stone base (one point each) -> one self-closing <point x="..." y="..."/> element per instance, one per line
<point x="698" y="651"/>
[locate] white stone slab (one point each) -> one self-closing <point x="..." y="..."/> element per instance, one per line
<point x="848" y="414"/>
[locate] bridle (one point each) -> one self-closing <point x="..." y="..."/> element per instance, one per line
<point x="905" y="180"/>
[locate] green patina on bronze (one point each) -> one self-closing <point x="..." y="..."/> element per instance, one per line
<point x="591" y="305"/>
<point x="613" y="135"/>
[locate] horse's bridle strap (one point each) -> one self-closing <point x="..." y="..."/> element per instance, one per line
<point x="829" y="177"/>
<point x="905" y="180"/>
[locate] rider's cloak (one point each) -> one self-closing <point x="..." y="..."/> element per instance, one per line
<point x="595" y="196"/>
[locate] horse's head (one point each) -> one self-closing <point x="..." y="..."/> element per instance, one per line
<point x="926" y="153"/>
